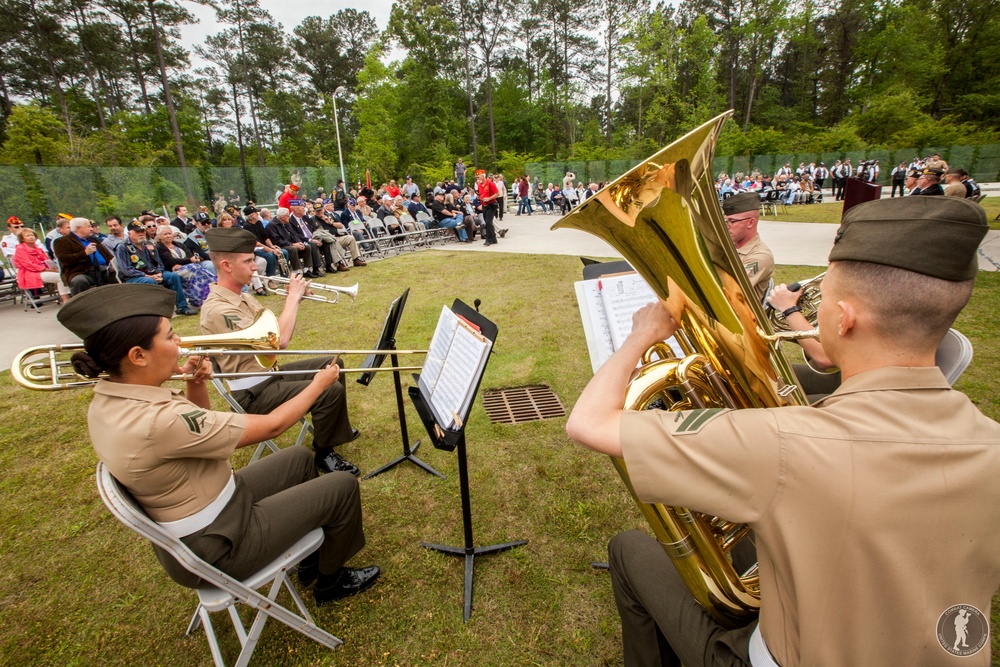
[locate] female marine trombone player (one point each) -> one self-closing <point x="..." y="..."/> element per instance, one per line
<point x="171" y="450"/>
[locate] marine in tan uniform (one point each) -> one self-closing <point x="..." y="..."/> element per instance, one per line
<point x="229" y="309"/>
<point x="172" y="451"/>
<point x="875" y="511"/>
<point x="742" y="212"/>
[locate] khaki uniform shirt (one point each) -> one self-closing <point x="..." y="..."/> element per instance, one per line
<point x="225" y="311"/>
<point x="171" y="454"/>
<point x="759" y="263"/>
<point x="875" y="510"/>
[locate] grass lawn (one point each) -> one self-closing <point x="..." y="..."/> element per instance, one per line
<point x="830" y="212"/>
<point x="77" y="588"/>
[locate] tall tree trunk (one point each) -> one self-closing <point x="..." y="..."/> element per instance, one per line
<point x="168" y="98"/>
<point x="50" y="62"/>
<point x="239" y="141"/>
<point x="246" y="82"/>
<point x="139" y="77"/>
<point x="472" y="112"/>
<point x="88" y="68"/>
<point x="607" y="90"/>
<point x="5" y="107"/>
<point x="489" y="104"/>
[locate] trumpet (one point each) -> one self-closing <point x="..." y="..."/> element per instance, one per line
<point x="41" y="369"/>
<point x="351" y="291"/>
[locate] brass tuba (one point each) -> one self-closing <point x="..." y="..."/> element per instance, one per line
<point x="664" y="217"/>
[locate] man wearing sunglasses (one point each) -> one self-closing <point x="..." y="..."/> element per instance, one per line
<point x="742" y="212"/>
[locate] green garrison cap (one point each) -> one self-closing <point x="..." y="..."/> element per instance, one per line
<point x="935" y="236"/>
<point x="230" y="239"/>
<point x="744" y="202"/>
<point x="91" y="311"/>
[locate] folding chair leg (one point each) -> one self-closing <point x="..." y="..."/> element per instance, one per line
<point x="304" y="432"/>
<point x="265" y="445"/>
<point x="213" y="643"/>
<point x="234" y="616"/>
<point x="195" y="622"/>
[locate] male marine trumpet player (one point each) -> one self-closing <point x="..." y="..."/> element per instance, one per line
<point x="876" y="510"/>
<point x="228" y="309"/>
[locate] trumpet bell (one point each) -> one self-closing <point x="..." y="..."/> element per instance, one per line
<point x="273" y="283"/>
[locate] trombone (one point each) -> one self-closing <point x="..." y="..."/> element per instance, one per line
<point x="351" y="291"/>
<point x="50" y="373"/>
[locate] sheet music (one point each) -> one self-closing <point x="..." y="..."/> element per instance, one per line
<point x="623" y="295"/>
<point x="595" y="322"/>
<point x="606" y="308"/>
<point x="454" y="363"/>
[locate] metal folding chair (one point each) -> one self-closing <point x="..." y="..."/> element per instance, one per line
<point x="953" y="355"/>
<point x="220" y="591"/>
<point x="368" y="247"/>
<point x="266" y="445"/>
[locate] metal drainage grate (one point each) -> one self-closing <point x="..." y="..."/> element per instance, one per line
<point x="516" y="405"/>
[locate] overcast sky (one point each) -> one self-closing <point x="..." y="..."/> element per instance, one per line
<point x="289" y="14"/>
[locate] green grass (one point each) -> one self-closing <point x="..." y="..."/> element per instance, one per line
<point x="830" y="212"/>
<point x="77" y="588"/>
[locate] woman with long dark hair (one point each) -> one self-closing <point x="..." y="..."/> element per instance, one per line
<point x="171" y="450"/>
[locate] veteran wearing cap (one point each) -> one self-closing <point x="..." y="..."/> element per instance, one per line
<point x="229" y="309"/>
<point x="742" y="212"/>
<point x="929" y="183"/>
<point x="875" y="510"/>
<point x="171" y="451"/>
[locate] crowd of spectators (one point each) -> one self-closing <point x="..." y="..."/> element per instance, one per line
<point x="804" y="184"/>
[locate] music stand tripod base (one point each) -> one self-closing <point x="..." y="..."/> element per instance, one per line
<point x="407" y="449"/>
<point x="470" y="554"/>
<point x="469" y="551"/>
<point x="407" y="456"/>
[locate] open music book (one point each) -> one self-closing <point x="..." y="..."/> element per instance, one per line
<point x="606" y="307"/>
<point x="455" y="361"/>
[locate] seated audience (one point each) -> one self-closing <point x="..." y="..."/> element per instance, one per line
<point x="34" y="268"/>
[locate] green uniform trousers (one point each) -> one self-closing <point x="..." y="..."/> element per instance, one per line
<point x="331" y="423"/>
<point x="278" y="499"/>
<point x="661" y="622"/>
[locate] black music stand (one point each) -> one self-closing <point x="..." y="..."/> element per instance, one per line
<point x="449" y="440"/>
<point x="387" y="341"/>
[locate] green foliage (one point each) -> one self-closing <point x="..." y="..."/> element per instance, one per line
<point x="374" y="147"/>
<point x="35" y="135"/>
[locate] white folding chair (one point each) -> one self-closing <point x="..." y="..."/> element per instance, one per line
<point x="266" y="445"/>
<point x="368" y="247"/>
<point x="953" y="355"/>
<point x="220" y="591"/>
<point x="381" y="236"/>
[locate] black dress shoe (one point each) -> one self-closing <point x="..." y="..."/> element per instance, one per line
<point x="344" y="583"/>
<point x="331" y="461"/>
<point x="355" y="434"/>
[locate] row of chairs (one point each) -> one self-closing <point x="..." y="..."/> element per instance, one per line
<point x="380" y="243"/>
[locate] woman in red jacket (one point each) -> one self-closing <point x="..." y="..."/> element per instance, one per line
<point x="34" y="268"/>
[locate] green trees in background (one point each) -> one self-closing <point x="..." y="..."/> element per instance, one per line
<point x="111" y="82"/>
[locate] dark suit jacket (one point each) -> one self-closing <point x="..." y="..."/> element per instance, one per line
<point x="73" y="258"/>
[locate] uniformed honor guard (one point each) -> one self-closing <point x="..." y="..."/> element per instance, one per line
<point x="229" y="309"/>
<point x="742" y="212"/>
<point x="875" y="510"/>
<point x="171" y="451"/>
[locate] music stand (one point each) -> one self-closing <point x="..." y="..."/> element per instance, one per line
<point x="387" y="341"/>
<point x="448" y="439"/>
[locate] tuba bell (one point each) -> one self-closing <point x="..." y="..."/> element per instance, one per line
<point x="664" y="217"/>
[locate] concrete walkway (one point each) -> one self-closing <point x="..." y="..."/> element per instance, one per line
<point x="791" y="242"/>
